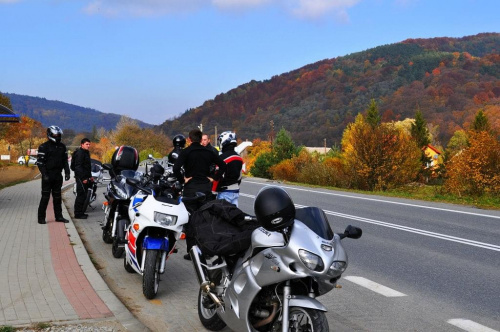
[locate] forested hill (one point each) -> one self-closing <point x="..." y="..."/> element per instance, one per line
<point x="448" y="79"/>
<point x="67" y="116"/>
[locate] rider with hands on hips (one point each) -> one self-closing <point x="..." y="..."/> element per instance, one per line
<point x="83" y="176"/>
<point x="52" y="158"/>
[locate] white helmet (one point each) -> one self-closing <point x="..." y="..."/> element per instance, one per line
<point x="226" y="138"/>
<point x="54" y="133"/>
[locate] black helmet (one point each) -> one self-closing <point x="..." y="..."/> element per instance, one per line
<point x="179" y="141"/>
<point x="157" y="171"/>
<point x="274" y="208"/>
<point x="54" y="133"/>
<point x="125" y="157"/>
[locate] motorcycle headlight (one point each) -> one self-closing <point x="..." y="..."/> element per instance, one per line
<point x="165" y="219"/>
<point x="337" y="268"/>
<point x="312" y="261"/>
<point x="121" y="193"/>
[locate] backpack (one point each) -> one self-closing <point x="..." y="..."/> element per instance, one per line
<point x="72" y="165"/>
<point x="220" y="228"/>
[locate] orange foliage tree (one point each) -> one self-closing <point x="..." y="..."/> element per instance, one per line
<point x="27" y="134"/>
<point x="476" y="169"/>
<point x="381" y="157"/>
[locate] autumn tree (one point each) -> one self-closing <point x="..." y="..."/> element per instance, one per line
<point x="476" y="170"/>
<point x="27" y="134"/>
<point x="457" y="143"/>
<point x="283" y="146"/>
<point x="379" y="158"/>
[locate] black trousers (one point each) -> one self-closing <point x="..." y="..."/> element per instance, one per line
<point x="81" y="195"/>
<point x="190" y="190"/>
<point x="51" y="186"/>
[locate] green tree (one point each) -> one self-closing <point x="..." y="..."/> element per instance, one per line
<point x="372" y="114"/>
<point x="262" y="164"/>
<point x="480" y="122"/>
<point x="283" y="146"/>
<point x="419" y="130"/>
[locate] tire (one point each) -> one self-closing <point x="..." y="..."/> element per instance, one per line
<point x="87" y="201"/>
<point x="305" y="319"/>
<point x="209" y="318"/>
<point x="106" y="233"/>
<point x="127" y="266"/>
<point x="116" y="250"/>
<point x="151" y="275"/>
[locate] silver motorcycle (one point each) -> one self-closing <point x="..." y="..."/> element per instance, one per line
<point x="274" y="284"/>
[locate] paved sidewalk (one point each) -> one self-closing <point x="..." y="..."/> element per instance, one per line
<point x="45" y="272"/>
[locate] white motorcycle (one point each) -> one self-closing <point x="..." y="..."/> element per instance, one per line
<point x="272" y="286"/>
<point x="157" y="217"/>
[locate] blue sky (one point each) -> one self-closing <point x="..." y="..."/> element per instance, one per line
<point x="154" y="59"/>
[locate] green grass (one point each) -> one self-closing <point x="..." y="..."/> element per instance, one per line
<point x="6" y="328"/>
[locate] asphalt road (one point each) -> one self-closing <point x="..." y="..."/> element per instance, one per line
<point x="419" y="266"/>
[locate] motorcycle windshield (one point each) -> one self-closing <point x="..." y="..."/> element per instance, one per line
<point x="128" y="173"/>
<point x="316" y="220"/>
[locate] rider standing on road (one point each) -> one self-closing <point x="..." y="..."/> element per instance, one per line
<point x="51" y="160"/>
<point x="179" y="142"/>
<point x="228" y="187"/>
<point x="83" y="177"/>
<point x="196" y="160"/>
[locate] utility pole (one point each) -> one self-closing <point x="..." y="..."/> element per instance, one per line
<point x="325" y="144"/>
<point x="200" y="127"/>
<point x="215" y="138"/>
<point x="271" y="123"/>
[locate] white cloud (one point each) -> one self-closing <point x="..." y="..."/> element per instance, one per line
<point x="305" y="9"/>
<point x="312" y="9"/>
<point x="142" y="7"/>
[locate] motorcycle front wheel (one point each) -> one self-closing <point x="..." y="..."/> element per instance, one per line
<point x="127" y="266"/>
<point x="117" y="248"/>
<point x="106" y="233"/>
<point x="305" y="319"/>
<point x="151" y="275"/>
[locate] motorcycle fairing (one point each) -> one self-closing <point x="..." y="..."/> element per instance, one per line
<point x="306" y="302"/>
<point x="154" y="243"/>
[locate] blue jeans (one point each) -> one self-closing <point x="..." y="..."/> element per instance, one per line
<point x="229" y="196"/>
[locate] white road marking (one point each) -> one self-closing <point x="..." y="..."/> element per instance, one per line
<point x="384" y="201"/>
<point x="468" y="325"/>
<point x="373" y="286"/>
<point x="450" y="238"/>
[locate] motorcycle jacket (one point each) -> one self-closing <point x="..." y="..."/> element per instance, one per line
<point x="232" y="177"/>
<point x="196" y="160"/>
<point x="83" y="170"/>
<point x="52" y="158"/>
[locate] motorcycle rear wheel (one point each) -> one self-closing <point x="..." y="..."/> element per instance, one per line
<point x="305" y="319"/>
<point x="209" y="317"/>
<point x="151" y="275"/>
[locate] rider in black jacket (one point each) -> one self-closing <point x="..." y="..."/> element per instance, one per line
<point x="51" y="160"/>
<point x="83" y="176"/>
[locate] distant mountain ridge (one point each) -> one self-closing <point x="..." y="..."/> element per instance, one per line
<point x="67" y="116"/>
<point x="448" y="79"/>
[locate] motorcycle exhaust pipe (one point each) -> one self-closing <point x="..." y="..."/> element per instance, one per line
<point x="195" y="253"/>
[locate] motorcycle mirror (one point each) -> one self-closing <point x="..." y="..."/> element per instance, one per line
<point x="353" y="232"/>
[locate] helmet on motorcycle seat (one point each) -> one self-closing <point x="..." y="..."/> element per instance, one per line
<point x="125" y="157"/>
<point x="54" y="133"/>
<point x="179" y="141"/>
<point x="226" y="138"/>
<point x="157" y="171"/>
<point x="274" y="208"/>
